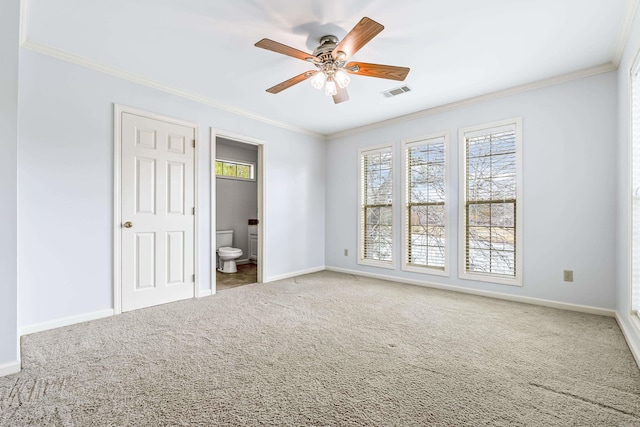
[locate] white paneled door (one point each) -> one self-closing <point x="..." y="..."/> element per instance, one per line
<point x="157" y="190"/>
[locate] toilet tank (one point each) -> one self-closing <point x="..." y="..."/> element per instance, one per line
<point x="224" y="238"/>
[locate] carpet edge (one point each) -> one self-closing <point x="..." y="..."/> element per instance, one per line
<point x="10" y="368"/>
<point x="491" y="294"/>
<point x="626" y="333"/>
<point x="293" y="274"/>
<point x="65" y="321"/>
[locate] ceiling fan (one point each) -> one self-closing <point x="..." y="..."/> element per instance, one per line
<point x="330" y="59"/>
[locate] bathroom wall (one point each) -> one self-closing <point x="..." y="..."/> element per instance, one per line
<point x="236" y="200"/>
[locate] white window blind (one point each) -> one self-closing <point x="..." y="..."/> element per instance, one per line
<point x="635" y="189"/>
<point x="425" y="210"/>
<point x="376" y="210"/>
<point x="490" y="201"/>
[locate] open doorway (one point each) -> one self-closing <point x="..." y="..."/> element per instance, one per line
<point x="237" y="192"/>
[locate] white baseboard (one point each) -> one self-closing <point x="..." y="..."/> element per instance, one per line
<point x="204" y="293"/>
<point x="9" y="368"/>
<point x="635" y="351"/>
<point x="293" y="274"/>
<point x="65" y="321"/>
<point x="242" y="261"/>
<point x="490" y="294"/>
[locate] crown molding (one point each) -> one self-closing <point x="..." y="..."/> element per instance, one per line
<point x="116" y="72"/>
<point x="623" y="36"/>
<point x="576" y="75"/>
<point x="632" y="6"/>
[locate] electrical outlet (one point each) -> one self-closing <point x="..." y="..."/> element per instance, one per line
<point x="346" y="252"/>
<point x="568" y="275"/>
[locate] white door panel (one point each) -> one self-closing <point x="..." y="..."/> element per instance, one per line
<point x="157" y="199"/>
<point x="145" y="181"/>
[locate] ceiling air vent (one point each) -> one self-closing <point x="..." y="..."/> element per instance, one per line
<point x="397" y="91"/>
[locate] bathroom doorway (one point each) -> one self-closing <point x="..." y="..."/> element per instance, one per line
<point x="237" y="182"/>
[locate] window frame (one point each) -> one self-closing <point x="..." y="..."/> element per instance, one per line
<point x="236" y="162"/>
<point x="361" y="260"/>
<point x="406" y="143"/>
<point x="462" y="225"/>
<point x="633" y="186"/>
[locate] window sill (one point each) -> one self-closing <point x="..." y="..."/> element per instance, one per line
<point x="491" y="278"/>
<point x="235" y="178"/>
<point x="380" y="264"/>
<point x="425" y="270"/>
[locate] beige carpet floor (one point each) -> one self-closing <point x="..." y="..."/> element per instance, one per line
<point x="328" y="349"/>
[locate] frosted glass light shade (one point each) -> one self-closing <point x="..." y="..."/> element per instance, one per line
<point x="330" y="87"/>
<point x="318" y="79"/>
<point x="341" y="78"/>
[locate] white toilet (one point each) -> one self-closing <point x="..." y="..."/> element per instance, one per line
<point x="226" y="254"/>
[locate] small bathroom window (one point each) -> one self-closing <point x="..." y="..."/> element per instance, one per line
<point x="232" y="169"/>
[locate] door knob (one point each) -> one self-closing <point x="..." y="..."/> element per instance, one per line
<point x="128" y="224"/>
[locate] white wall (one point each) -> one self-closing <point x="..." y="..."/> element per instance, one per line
<point x="9" y="37"/>
<point x="65" y="195"/>
<point x="623" y="303"/>
<point x="569" y="189"/>
<point x="236" y="200"/>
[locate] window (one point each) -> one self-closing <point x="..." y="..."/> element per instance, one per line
<point x="425" y="205"/>
<point x="376" y="206"/>
<point x="235" y="170"/>
<point x="635" y="188"/>
<point x="490" y="220"/>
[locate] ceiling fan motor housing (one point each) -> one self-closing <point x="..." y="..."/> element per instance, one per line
<point x="327" y="45"/>
<point x="324" y="53"/>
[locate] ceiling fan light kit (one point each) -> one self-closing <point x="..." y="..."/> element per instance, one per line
<point x="318" y="79"/>
<point x="330" y="59"/>
<point x="330" y="87"/>
<point x="341" y="78"/>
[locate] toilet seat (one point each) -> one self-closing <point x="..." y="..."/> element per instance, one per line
<point x="228" y="251"/>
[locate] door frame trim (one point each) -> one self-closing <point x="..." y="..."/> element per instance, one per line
<point x="262" y="151"/>
<point x="118" y="109"/>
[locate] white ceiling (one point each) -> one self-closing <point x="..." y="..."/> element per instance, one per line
<point x="456" y="49"/>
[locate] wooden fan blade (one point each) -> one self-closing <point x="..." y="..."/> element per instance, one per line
<point x="292" y="81"/>
<point x="361" y="34"/>
<point x="283" y="49"/>
<point x="341" y="96"/>
<point x="376" y="70"/>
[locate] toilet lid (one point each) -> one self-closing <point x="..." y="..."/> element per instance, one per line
<point x="229" y="250"/>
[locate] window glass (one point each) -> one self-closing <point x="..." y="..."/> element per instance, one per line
<point x="425" y="213"/>
<point x="376" y="220"/>
<point x="490" y="228"/>
<point x="235" y="170"/>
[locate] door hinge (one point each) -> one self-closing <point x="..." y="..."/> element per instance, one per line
<point x="193" y="211"/>
<point x="193" y="278"/>
<point x="194" y="143"/>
